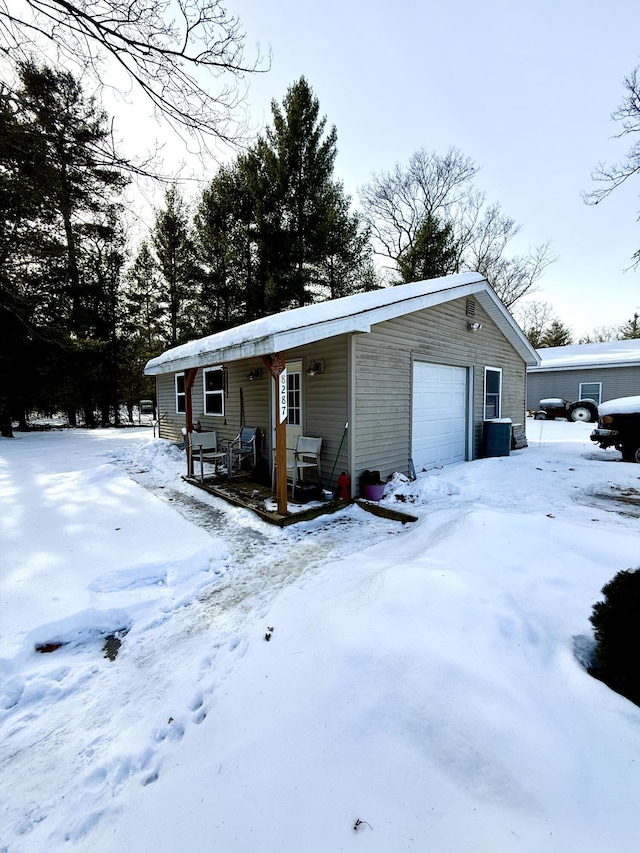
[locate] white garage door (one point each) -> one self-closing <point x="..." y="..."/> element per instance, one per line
<point x="439" y="417"/>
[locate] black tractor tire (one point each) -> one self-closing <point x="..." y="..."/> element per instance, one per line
<point x="540" y="416"/>
<point x="586" y="412"/>
<point x="630" y="453"/>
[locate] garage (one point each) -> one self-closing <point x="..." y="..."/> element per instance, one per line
<point x="439" y="415"/>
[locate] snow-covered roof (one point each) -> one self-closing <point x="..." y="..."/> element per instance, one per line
<point x="357" y="313"/>
<point x="604" y="354"/>
<point x="620" y="406"/>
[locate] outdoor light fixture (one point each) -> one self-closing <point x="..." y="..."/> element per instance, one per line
<point x="315" y="366"/>
<point x="473" y="327"/>
<point x="254" y="373"/>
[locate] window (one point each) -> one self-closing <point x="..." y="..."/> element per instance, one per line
<point x="294" y="400"/>
<point x="591" y="391"/>
<point x="492" y="392"/>
<point x="181" y="397"/>
<point x="213" y="378"/>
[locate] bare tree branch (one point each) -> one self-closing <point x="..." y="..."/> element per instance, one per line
<point x="396" y="205"/>
<point x="612" y="176"/>
<point x="186" y="56"/>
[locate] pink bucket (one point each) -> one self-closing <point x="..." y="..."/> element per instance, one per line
<point x="373" y="492"/>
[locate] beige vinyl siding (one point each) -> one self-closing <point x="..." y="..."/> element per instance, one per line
<point x="171" y="422"/>
<point x="383" y="375"/>
<point x="325" y="399"/>
<point x="242" y="396"/>
<point x="616" y="382"/>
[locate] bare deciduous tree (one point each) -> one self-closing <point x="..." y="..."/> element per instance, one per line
<point x="610" y="177"/>
<point x="186" y="56"/>
<point x="396" y="205"/>
<point x="534" y="317"/>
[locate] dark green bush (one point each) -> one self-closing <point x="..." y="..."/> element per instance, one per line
<point x="616" y="622"/>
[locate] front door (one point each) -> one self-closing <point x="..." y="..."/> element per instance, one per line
<point x="294" y="403"/>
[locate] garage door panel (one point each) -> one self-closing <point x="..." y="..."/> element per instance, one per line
<point x="439" y="425"/>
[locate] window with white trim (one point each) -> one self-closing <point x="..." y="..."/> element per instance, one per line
<point x="294" y="398"/>
<point x="492" y="392"/>
<point x="213" y="380"/>
<point x="181" y="394"/>
<point x="591" y="391"/>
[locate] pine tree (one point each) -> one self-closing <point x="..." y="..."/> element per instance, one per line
<point x="275" y="229"/>
<point x="631" y="329"/>
<point x="315" y="248"/>
<point x="224" y="229"/>
<point x="174" y="250"/>
<point x="431" y="253"/>
<point x="140" y="327"/>
<point x="556" y="335"/>
<point x="66" y="193"/>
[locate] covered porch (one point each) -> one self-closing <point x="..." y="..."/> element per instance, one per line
<point x="269" y="421"/>
<point x="278" y="457"/>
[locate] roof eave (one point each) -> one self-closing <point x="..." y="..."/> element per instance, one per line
<point x="582" y="366"/>
<point x="353" y="323"/>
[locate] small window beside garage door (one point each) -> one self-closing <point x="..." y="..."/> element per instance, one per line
<point x="492" y="392"/>
<point x="591" y="391"/>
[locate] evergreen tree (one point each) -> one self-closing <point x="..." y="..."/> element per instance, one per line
<point x="347" y="264"/>
<point x="275" y="229"/>
<point x="59" y="192"/>
<point x="174" y="251"/>
<point x="432" y="252"/>
<point x="224" y="228"/>
<point x="631" y="329"/>
<point x="140" y="327"/>
<point x="616" y="622"/>
<point x="556" y="335"/>
<point x="303" y="211"/>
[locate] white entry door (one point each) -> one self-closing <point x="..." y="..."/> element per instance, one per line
<point x="439" y="415"/>
<point x="294" y="404"/>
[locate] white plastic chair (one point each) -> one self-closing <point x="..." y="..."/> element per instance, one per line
<point x="306" y="455"/>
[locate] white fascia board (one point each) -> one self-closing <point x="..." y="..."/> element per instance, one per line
<point x="508" y="326"/>
<point x="605" y="365"/>
<point x="357" y="322"/>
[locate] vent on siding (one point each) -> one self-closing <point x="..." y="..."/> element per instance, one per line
<point x="471" y="308"/>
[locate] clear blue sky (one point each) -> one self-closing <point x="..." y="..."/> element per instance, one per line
<point x="526" y="89"/>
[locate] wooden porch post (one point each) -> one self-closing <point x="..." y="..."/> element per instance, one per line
<point x="276" y="366"/>
<point x="189" y="379"/>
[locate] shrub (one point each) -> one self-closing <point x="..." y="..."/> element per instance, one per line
<point x="616" y="622"/>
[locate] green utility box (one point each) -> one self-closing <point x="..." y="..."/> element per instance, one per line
<point x="497" y="437"/>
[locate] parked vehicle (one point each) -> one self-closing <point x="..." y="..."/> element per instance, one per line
<point x="619" y="427"/>
<point x="556" y="407"/>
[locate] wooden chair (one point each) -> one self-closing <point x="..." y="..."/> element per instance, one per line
<point x="204" y="446"/>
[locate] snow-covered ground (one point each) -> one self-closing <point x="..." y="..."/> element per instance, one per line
<point x="423" y="680"/>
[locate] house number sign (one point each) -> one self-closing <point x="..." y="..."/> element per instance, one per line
<point x="282" y="395"/>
